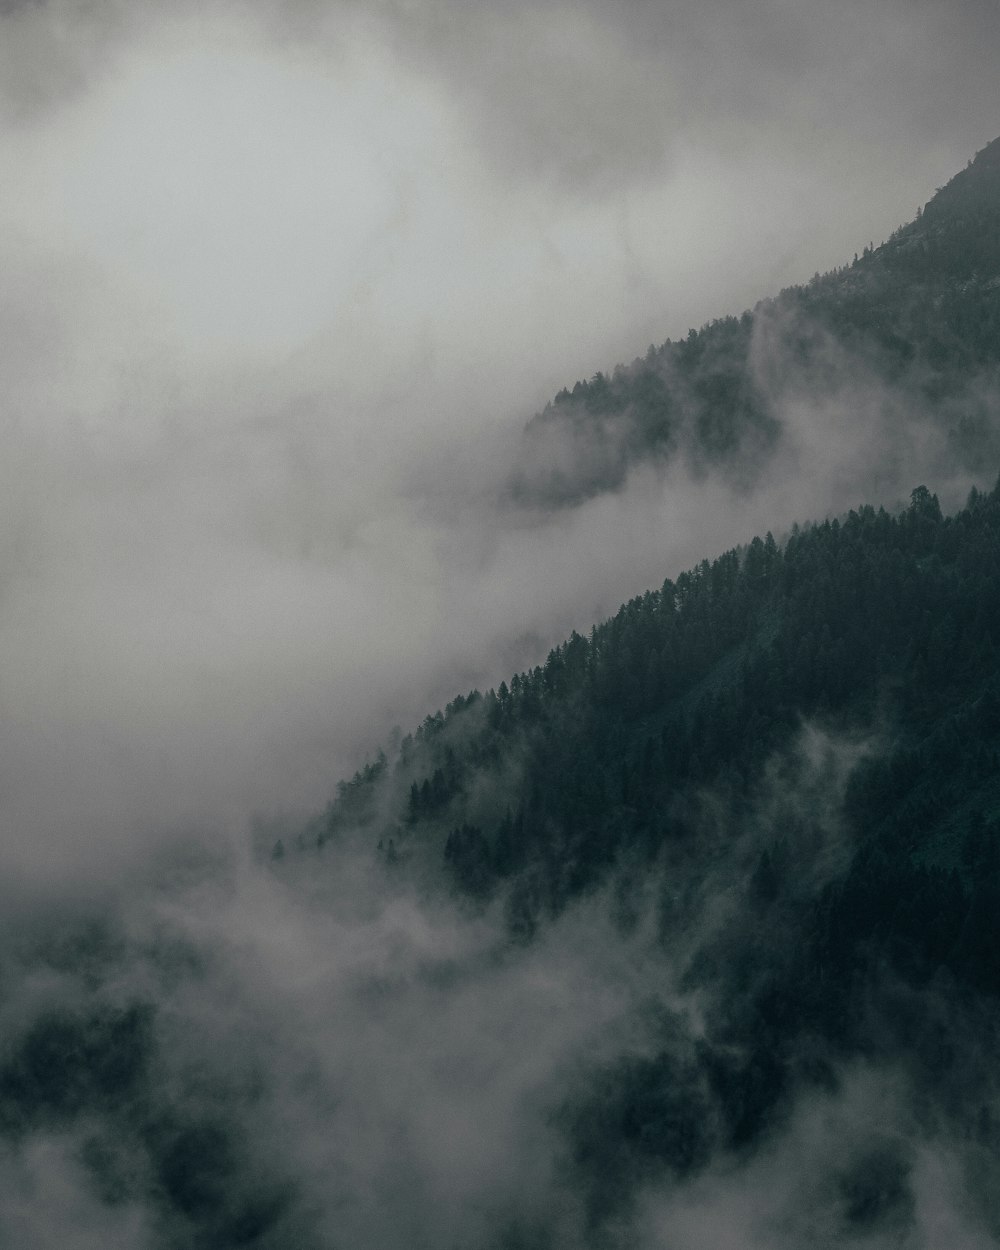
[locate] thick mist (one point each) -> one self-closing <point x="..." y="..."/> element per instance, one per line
<point x="316" y="1052"/>
<point x="282" y="288"/>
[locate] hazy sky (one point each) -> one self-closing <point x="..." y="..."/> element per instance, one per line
<point x="283" y="281"/>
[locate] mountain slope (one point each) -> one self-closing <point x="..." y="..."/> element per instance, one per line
<point x="879" y="624"/>
<point x="910" y="331"/>
<point x="789" y="757"/>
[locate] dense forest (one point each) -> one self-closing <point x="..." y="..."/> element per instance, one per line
<point x="689" y="748"/>
<point x="767" y="792"/>
<point x="918" y="317"/>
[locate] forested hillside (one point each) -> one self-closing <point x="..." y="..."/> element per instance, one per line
<point x="806" y="736"/>
<point x="873" y="624"/>
<point x="693" y="927"/>
<point x="915" y="323"/>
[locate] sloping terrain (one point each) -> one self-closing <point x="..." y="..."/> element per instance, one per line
<point x="789" y="757"/>
<point x="909" y="330"/>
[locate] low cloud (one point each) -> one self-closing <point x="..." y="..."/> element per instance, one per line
<point x="325" y="1052"/>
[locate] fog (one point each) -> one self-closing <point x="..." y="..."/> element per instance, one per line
<point x="282" y="288"/>
<point x="319" y="1053"/>
<point x="283" y="284"/>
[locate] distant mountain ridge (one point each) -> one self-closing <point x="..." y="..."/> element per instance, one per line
<point x="919" y="315"/>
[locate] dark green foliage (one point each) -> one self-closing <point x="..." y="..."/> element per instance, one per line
<point x="641" y="1116"/>
<point x="354" y="799"/>
<point x="68" y="1062"/>
<point x="702" y="681"/>
<point x="97" y="1069"/>
<point x="467" y="856"/>
<point x="697" y="396"/>
<point x="195" y="1168"/>
<point x="748" y="1083"/>
<point x="202" y="1172"/>
<point x="881" y="629"/>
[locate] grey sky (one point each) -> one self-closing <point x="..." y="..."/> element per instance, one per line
<point x="281" y="284"/>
